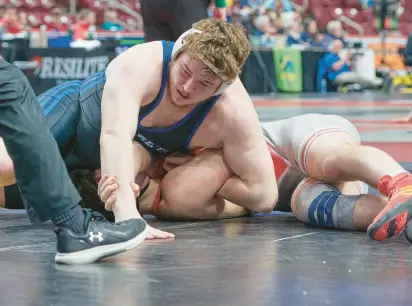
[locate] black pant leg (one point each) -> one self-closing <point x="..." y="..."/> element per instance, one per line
<point x="40" y="171"/>
<point x="185" y="14"/>
<point x="156" y="19"/>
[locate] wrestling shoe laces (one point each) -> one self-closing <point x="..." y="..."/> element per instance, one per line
<point x="394" y="217"/>
<point x="387" y="184"/>
<point x="383" y="185"/>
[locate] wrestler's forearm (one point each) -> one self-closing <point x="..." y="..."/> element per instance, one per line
<point x="237" y="191"/>
<point x="118" y="159"/>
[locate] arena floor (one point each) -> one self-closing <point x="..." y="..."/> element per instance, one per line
<point x="268" y="260"/>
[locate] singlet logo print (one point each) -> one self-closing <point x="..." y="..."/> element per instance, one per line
<point x="152" y="145"/>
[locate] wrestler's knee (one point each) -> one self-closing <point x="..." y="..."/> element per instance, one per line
<point x="322" y="205"/>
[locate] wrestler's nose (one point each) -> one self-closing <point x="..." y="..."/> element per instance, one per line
<point x="189" y="86"/>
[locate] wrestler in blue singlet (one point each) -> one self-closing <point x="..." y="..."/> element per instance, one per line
<point x="73" y="112"/>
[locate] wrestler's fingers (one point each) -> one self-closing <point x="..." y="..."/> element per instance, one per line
<point x="159" y="234"/>
<point x="102" y="180"/>
<point x="108" y="181"/>
<point x="108" y="192"/>
<point x="110" y="203"/>
<point x="136" y="189"/>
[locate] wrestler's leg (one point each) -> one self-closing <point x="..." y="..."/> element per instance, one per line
<point x="328" y="148"/>
<point x="225" y="210"/>
<point x="336" y="207"/>
<point x="191" y="190"/>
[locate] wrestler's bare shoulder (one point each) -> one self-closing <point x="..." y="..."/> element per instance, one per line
<point x="234" y="113"/>
<point x="236" y="102"/>
<point x="141" y="69"/>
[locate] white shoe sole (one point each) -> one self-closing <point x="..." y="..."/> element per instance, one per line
<point x="92" y="255"/>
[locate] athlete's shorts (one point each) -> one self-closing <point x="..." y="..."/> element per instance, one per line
<point x="291" y="138"/>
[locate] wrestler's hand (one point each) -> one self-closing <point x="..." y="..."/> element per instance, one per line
<point x="106" y="191"/>
<point x="158" y="234"/>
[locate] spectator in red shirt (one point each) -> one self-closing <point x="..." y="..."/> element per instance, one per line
<point x="87" y="19"/>
<point x="10" y="20"/>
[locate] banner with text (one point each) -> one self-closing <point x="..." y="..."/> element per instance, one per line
<point x="56" y="66"/>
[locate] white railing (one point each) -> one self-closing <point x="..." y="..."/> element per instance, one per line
<point x="301" y="8"/>
<point x="352" y="24"/>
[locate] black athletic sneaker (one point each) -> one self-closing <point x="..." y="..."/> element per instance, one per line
<point x="101" y="239"/>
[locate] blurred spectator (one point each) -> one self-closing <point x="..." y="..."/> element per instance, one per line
<point x="311" y="34"/>
<point x="294" y="34"/>
<point x="60" y="21"/>
<point x="10" y="21"/>
<point x="264" y="35"/>
<point x="86" y="23"/>
<point x="23" y="20"/>
<point x="334" y="31"/>
<point x="111" y="22"/>
<point x="267" y="4"/>
<point x="339" y="70"/>
<point x="275" y="21"/>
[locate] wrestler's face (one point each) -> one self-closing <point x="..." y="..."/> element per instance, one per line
<point x="189" y="82"/>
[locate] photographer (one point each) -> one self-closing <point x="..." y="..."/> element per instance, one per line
<point x="340" y="70"/>
<point x="334" y="32"/>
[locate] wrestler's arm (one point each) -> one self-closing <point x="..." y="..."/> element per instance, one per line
<point x="127" y="78"/>
<point x="254" y="184"/>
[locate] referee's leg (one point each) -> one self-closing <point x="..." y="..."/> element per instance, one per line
<point x="45" y="184"/>
<point x="39" y="168"/>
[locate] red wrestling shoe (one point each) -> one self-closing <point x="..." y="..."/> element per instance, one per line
<point x="394" y="217"/>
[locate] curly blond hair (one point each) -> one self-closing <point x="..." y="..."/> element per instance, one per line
<point x="223" y="47"/>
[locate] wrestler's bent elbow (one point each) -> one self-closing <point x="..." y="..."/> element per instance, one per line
<point x="265" y="200"/>
<point x="266" y="204"/>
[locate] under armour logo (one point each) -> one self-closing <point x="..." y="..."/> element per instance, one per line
<point x="99" y="236"/>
